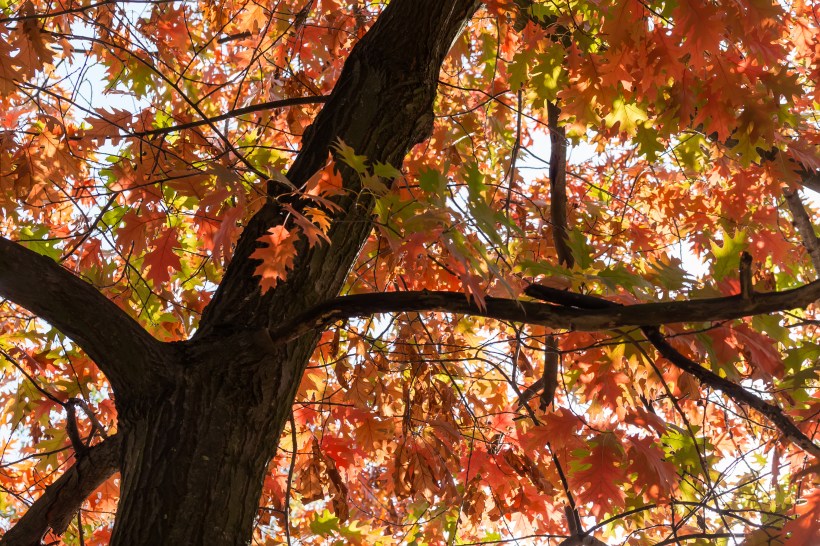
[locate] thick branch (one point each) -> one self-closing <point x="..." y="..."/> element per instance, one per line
<point x="804" y="227"/>
<point x="558" y="187"/>
<point x="111" y="338"/>
<point x="381" y="106"/>
<point x="61" y="500"/>
<point x="565" y="315"/>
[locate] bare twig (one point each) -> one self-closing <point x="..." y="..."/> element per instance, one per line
<point x="550" y="377"/>
<point x="746" y="287"/>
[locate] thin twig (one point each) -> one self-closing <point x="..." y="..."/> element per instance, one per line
<point x="290" y="476"/>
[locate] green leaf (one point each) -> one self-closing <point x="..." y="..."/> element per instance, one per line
<point x="727" y="256"/>
<point x="668" y="274"/>
<point x="36" y="238"/>
<point x="618" y="276"/>
<point x="648" y="143"/>
<point x="139" y="76"/>
<point x="374" y="184"/>
<point x="353" y="531"/>
<point x="348" y="156"/>
<point x="324" y="524"/>
<point x="162" y="120"/>
<point x="432" y="181"/>
<point x="475" y="180"/>
<point x="548" y="75"/>
<point x="581" y="250"/>
<point x="386" y="170"/>
<point x="519" y="67"/>
<point x="626" y="116"/>
<point x="690" y="152"/>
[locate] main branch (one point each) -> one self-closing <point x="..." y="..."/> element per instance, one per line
<point x="578" y="312"/>
<point x="555" y="316"/>
<point x="381" y="106"/>
<point x="115" y="341"/>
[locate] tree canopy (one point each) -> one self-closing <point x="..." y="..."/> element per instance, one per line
<point x="417" y="271"/>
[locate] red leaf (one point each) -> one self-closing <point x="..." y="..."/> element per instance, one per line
<point x="759" y="349"/>
<point x="108" y="125"/>
<point x="656" y="476"/>
<point x="162" y="258"/>
<point x="559" y="428"/>
<point x="603" y="475"/>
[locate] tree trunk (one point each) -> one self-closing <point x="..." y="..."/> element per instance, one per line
<point x="197" y="444"/>
<point x="195" y="456"/>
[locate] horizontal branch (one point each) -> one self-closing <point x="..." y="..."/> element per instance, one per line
<point x="270" y="105"/>
<point x="571" y="311"/>
<point x="554" y="316"/>
<point x="653" y="334"/>
<point x="63" y="498"/>
<point x="115" y="341"/>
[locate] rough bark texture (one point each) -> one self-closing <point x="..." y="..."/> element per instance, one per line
<point x="58" y="505"/>
<point x="195" y="456"/>
<point x="199" y="420"/>
<point x="195" y="452"/>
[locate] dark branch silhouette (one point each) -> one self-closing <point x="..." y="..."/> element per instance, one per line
<point x="114" y="340"/>
<point x="57" y="505"/>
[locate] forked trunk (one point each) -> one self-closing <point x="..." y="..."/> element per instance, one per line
<point x="197" y="449"/>
<point x="195" y="456"/>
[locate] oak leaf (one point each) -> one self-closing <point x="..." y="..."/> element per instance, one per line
<point x="277" y="256"/>
<point x="602" y="475"/>
<point x="162" y="259"/>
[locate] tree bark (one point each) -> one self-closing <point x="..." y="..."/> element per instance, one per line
<point x="196" y="448"/>
<point x="195" y="456"/>
<point x="58" y="505"/>
<point x="200" y="420"/>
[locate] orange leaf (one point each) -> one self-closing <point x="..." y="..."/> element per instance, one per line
<point x="313" y="233"/>
<point x="277" y="256"/>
